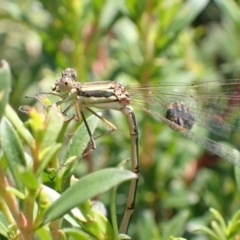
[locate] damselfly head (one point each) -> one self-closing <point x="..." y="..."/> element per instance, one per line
<point x="66" y="82"/>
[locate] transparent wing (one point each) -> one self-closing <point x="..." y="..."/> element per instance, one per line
<point x="213" y="105"/>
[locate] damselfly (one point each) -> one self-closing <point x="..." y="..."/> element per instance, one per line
<point x="213" y="105"/>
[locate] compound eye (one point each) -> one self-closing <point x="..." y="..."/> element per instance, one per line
<point x="69" y="72"/>
<point x="74" y="75"/>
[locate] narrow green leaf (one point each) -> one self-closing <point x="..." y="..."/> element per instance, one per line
<point x="86" y="188"/>
<point x="237" y="177"/>
<point x="219" y="218"/>
<point x="17" y="193"/>
<point x="233" y="230"/>
<point x="52" y="196"/>
<point x="3" y="224"/>
<point x="3" y="162"/>
<point x="18" y="124"/>
<point x="86" y="211"/>
<point x="110" y="14"/>
<point x="147" y="226"/>
<point x="103" y="227"/>
<point x="13" y="149"/>
<point x="62" y="133"/>
<point x="5" y="85"/>
<point x="80" y="139"/>
<point x="175" y="225"/>
<point x="3" y="218"/>
<point x="177" y="238"/>
<point x="123" y="236"/>
<point x="3" y="230"/>
<point x="95" y="223"/>
<point x="76" y="233"/>
<point x="231" y="9"/>
<point x="113" y="201"/>
<point x="28" y="178"/>
<point x="43" y="233"/>
<point x="187" y="14"/>
<point x="236" y="217"/>
<point x="208" y="231"/>
<point x="218" y="230"/>
<point x="46" y="155"/>
<point x="54" y="127"/>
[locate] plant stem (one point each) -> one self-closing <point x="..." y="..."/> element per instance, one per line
<point x="113" y="212"/>
<point x="13" y="206"/>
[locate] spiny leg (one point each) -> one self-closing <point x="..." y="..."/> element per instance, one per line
<point x="80" y="115"/>
<point x="64" y="97"/>
<point x="92" y="143"/>
<point x="133" y="130"/>
<point x="39" y="97"/>
<point x="110" y="125"/>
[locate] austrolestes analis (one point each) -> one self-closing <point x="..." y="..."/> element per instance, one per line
<point x="213" y="105"/>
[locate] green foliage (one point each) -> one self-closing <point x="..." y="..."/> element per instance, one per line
<point x="131" y="41"/>
<point x="5" y="86"/>
<point x="219" y="229"/>
<point x="24" y="221"/>
<point x="99" y="182"/>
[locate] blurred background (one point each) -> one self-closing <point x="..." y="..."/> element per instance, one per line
<point x="135" y="42"/>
